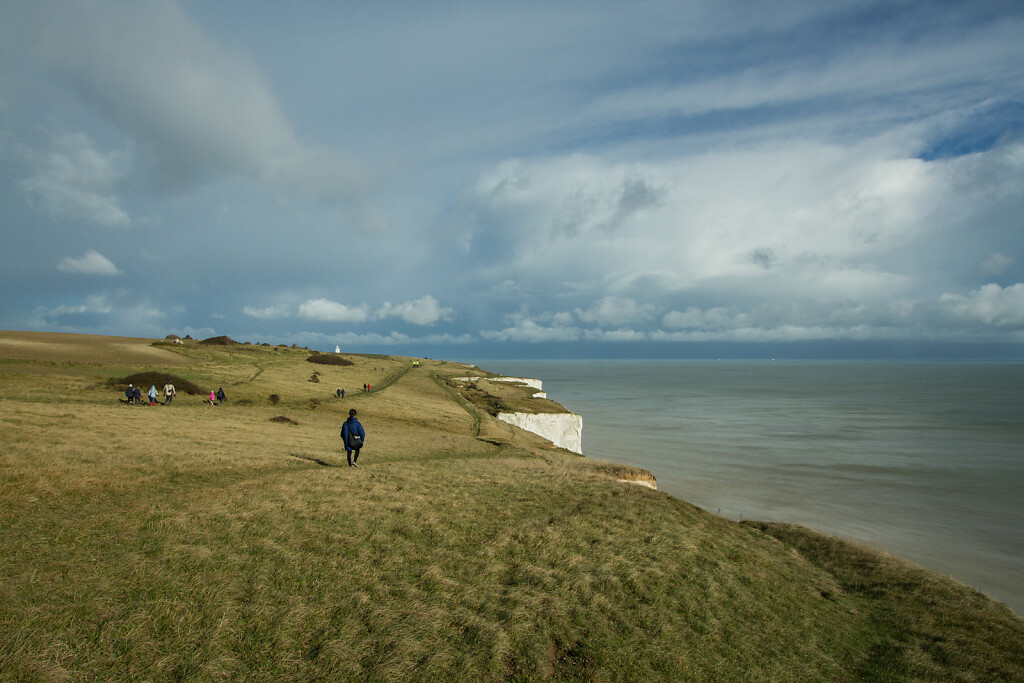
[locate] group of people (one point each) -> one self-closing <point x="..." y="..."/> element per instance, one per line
<point x="133" y="394"/>
<point x="352" y="433"/>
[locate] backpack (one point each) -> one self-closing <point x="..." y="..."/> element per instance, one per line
<point x="354" y="440"/>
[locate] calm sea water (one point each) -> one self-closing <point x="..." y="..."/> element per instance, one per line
<point x="924" y="460"/>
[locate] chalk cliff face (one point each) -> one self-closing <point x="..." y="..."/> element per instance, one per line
<point x="565" y="430"/>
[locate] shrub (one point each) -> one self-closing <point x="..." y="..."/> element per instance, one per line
<point x="282" y="418"/>
<point x="275" y="399"/>
<point x="329" y="359"/>
<point x="314" y="377"/>
<point x="219" y="341"/>
<point x="157" y="379"/>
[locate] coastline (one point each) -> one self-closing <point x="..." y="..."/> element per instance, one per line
<point x="740" y="478"/>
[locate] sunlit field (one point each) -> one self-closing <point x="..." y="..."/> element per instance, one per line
<point x="198" y="542"/>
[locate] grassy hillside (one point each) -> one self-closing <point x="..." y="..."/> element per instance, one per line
<point x="198" y="542"/>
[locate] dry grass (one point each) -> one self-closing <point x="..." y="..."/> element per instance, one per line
<point x="194" y="542"/>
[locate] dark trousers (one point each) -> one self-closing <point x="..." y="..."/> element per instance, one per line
<point x="351" y="458"/>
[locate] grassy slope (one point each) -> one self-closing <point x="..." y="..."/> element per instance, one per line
<point x="208" y="543"/>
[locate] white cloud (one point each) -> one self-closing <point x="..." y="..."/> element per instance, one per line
<point x="525" y="328"/>
<point x="423" y="311"/>
<point x="77" y="180"/>
<point x="332" y="311"/>
<point x="613" y="310"/>
<point x="194" y="106"/>
<point x="95" y="303"/>
<point x="996" y="263"/>
<point x="90" y="263"/>
<point x="116" y="313"/>
<point x="619" y="335"/>
<point x="991" y="304"/>
<point x="782" y="220"/>
<point x="268" y="312"/>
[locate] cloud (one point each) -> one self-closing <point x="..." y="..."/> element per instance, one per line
<point x="267" y="313"/>
<point x="613" y="310"/>
<point x="114" y="313"/>
<point x="423" y="311"/>
<point x="525" y="328"/>
<point x="91" y="263"/>
<point x="95" y="303"/>
<point x="74" y="179"/>
<point x="991" y="305"/>
<point x="996" y="263"/>
<point x="331" y="311"/>
<point x="193" y="106"/>
<point x="349" y="340"/>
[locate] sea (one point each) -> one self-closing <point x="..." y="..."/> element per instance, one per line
<point x="924" y="460"/>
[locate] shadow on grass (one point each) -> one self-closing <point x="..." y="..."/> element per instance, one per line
<point x="310" y="458"/>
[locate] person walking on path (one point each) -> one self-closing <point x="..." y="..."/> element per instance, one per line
<point x="168" y="393"/>
<point x="354" y="436"/>
<point x="213" y="397"/>
<point x="220" y="395"/>
<point x="152" y="395"/>
<point x="138" y="396"/>
<point x="129" y="394"/>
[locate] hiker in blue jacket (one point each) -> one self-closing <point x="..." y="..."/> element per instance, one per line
<point x="354" y="436"/>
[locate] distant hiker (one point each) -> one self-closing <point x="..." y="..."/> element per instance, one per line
<point x="354" y="436"/>
<point x="220" y="395"/>
<point x="152" y="395"/>
<point x="137" y="396"/>
<point x="338" y="393"/>
<point x="342" y="393"/>
<point x="129" y="394"/>
<point x="213" y="397"/>
<point x="168" y="393"/>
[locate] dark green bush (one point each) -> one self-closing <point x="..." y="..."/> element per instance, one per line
<point x="157" y="379"/>
<point x="329" y="359"/>
<point x="219" y="341"/>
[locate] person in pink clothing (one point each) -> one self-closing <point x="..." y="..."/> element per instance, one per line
<point x="213" y="397"/>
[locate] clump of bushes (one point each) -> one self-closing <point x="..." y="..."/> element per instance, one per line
<point x="282" y="418"/>
<point x="329" y="359"/>
<point x="219" y="341"/>
<point x="275" y="399"/>
<point x="157" y="379"/>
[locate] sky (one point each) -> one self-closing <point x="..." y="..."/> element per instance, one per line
<point x="528" y="179"/>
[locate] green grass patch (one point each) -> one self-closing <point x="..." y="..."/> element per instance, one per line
<point x="199" y="542"/>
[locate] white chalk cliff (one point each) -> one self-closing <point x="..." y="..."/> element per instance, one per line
<point x="565" y="430"/>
